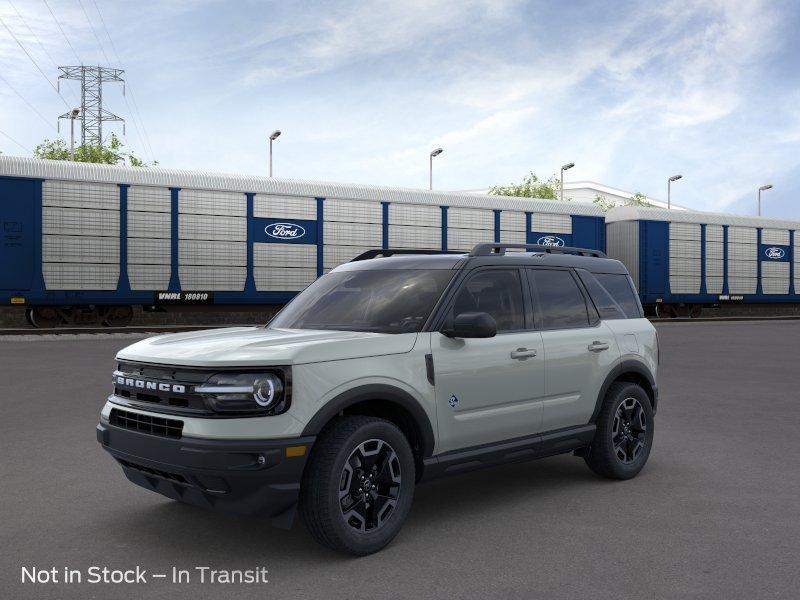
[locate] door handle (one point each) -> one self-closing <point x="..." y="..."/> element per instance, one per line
<point x="596" y="346"/>
<point x="522" y="353"/>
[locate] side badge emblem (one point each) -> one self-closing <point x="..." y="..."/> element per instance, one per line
<point x="453" y="402"/>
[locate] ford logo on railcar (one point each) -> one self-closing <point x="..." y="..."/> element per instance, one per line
<point x="550" y="240"/>
<point x="775" y="253"/>
<point x="285" y="231"/>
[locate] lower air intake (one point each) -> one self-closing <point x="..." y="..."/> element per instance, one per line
<point x="169" y="428"/>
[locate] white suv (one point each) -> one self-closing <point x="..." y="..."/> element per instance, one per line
<point x="396" y="367"/>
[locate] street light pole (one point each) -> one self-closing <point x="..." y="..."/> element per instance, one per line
<point x="763" y="188"/>
<point x="564" y="168"/>
<point x="669" y="189"/>
<point x="436" y="152"/>
<point x="273" y="136"/>
<point x="72" y="115"/>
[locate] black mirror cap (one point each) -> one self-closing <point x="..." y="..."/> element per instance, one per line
<point x="472" y="325"/>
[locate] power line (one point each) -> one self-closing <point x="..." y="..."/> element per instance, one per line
<point x="38" y="41"/>
<point x="21" y="97"/>
<point x="99" y="43"/>
<point x="136" y="114"/>
<point x="35" y="64"/>
<point x="16" y="142"/>
<point x="61" y="29"/>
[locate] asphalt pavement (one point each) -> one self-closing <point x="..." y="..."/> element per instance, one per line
<point x="714" y="514"/>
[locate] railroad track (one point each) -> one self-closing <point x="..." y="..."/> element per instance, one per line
<point x="722" y="319"/>
<point x="107" y="330"/>
<point x="179" y="328"/>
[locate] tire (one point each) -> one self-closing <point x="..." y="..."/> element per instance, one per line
<point x="345" y="520"/>
<point x="617" y="451"/>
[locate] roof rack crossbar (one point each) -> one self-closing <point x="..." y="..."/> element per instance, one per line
<point x="375" y="253"/>
<point x="489" y="249"/>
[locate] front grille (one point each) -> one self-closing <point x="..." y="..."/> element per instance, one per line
<point x="150" y="471"/>
<point x="169" y="428"/>
<point x="186" y="402"/>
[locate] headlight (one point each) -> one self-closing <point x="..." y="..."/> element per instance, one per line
<point x="245" y="393"/>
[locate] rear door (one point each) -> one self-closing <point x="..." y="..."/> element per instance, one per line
<point x="579" y="348"/>
<point x="17" y="227"/>
<point x="489" y="389"/>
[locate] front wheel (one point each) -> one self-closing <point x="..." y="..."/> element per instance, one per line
<point x="358" y="486"/>
<point x="624" y="433"/>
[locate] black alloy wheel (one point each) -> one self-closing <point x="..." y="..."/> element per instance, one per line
<point x="358" y="484"/>
<point x="624" y="435"/>
<point x="370" y="485"/>
<point x="629" y="433"/>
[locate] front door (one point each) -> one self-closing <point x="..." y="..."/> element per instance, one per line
<point x="17" y="198"/>
<point x="489" y="389"/>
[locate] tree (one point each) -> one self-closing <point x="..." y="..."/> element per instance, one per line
<point x="606" y="204"/>
<point x="638" y="199"/>
<point x="113" y="153"/>
<point x="531" y="187"/>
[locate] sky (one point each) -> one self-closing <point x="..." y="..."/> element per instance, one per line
<point x="631" y="92"/>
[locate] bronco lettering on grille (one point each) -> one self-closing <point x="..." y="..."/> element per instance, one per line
<point x="144" y="384"/>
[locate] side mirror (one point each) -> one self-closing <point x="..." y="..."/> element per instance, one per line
<point x="472" y="325"/>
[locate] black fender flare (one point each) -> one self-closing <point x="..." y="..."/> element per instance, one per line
<point x="626" y="366"/>
<point x="375" y="391"/>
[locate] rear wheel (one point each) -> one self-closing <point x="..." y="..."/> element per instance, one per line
<point x="358" y="486"/>
<point x="624" y="433"/>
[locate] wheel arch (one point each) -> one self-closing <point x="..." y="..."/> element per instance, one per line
<point x="387" y="402"/>
<point x="634" y="372"/>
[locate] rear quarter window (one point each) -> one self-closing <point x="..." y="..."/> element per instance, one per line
<point x="620" y="288"/>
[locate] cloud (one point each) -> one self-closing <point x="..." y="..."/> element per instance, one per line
<point x="364" y="90"/>
<point x="347" y="33"/>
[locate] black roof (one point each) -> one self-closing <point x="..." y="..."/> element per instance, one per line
<point x="429" y="259"/>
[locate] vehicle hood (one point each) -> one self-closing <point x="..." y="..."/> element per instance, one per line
<point x="258" y="346"/>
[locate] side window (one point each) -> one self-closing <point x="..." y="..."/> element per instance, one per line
<point x="605" y="304"/>
<point x="621" y="289"/>
<point x="560" y="300"/>
<point x="494" y="291"/>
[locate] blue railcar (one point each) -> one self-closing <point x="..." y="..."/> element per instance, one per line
<point x="682" y="261"/>
<point x="93" y="241"/>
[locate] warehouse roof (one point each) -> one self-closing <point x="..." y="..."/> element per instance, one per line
<point x="638" y="213"/>
<point x="156" y="176"/>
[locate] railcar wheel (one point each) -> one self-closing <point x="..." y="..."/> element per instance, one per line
<point x="695" y="311"/>
<point x="44" y="316"/>
<point x="682" y="310"/>
<point x="118" y="316"/>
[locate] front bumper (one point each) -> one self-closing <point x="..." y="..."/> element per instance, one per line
<point x="242" y="477"/>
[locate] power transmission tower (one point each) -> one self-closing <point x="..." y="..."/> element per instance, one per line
<point x="92" y="113"/>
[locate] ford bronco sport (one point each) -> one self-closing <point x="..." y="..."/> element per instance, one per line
<point x="396" y="367"/>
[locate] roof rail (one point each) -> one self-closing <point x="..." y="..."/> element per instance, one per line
<point x="489" y="249"/>
<point x="375" y="253"/>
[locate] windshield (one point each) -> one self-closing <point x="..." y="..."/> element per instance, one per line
<point x="384" y="301"/>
